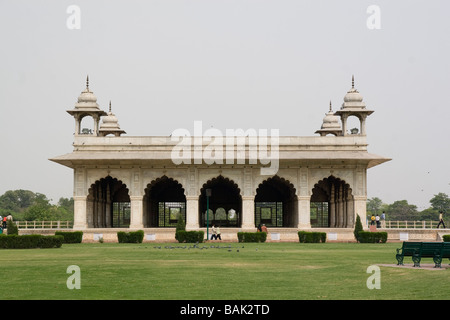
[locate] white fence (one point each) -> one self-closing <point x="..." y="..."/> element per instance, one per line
<point x="410" y="224"/>
<point x="44" y="224"/>
<point x="388" y="224"/>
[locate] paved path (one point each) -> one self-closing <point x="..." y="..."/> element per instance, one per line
<point x="423" y="266"/>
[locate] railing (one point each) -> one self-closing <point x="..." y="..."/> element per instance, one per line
<point x="44" y="224"/>
<point x="388" y="224"/>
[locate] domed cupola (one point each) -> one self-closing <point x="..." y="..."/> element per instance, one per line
<point x="86" y="106"/>
<point x="330" y="124"/>
<point x="353" y="98"/>
<point x="110" y="124"/>
<point x="353" y="106"/>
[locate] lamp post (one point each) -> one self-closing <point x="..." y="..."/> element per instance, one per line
<point x="208" y="194"/>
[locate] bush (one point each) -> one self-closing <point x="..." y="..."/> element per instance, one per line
<point x="70" y="237"/>
<point x="30" y="241"/>
<point x="358" y="227"/>
<point x="252" y="236"/>
<point x="130" y="237"/>
<point x="181" y="226"/>
<point x="51" y="241"/>
<point x="372" y="237"/>
<point x="446" y="237"/>
<point x="12" y="227"/>
<point x="311" y="237"/>
<point x="189" y="236"/>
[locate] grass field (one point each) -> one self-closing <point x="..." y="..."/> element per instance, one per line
<point x="264" y="271"/>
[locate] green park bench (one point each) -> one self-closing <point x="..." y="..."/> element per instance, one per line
<point x="419" y="250"/>
<point x="408" y="249"/>
<point x="429" y="250"/>
<point x="446" y="250"/>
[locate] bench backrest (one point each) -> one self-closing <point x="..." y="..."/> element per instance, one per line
<point x="409" y="248"/>
<point x="446" y="250"/>
<point x="431" y="248"/>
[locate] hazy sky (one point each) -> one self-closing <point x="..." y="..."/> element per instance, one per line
<point x="232" y="64"/>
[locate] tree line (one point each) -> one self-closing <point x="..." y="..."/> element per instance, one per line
<point x="28" y="205"/>
<point x="402" y="210"/>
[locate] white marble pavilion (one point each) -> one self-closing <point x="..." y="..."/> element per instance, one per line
<point x="134" y="182"/>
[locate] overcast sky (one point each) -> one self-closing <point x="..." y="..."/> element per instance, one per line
<point x="231" y="64"/>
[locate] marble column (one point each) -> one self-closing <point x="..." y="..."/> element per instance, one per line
<point x="80" y="206"/>
<point x="360" y="203"/>
<point x="192" y="214"/>
<point x="304" y="212"/>
<point x="340" y="205"/>
<point x="332" y="208"/>
<point x="136" y="214"/>
<point x="248" y="213"/>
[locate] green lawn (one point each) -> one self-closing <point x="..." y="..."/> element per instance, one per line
<point x="265" y="271"/>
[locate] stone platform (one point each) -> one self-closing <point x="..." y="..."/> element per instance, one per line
<point x="230" y="234"/>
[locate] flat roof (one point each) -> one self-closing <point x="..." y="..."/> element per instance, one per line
<point x="154" y="150"/>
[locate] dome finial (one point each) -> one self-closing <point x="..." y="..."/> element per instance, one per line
<point x="109" y="105"/>
<point x="330" y="124"/>
<point x="353" y="82"/>
<point x="87" y="83"/>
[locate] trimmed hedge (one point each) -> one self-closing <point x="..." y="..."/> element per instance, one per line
<point x="252" y="236"/>
<point x="70" y="237"/>
<point x="30" y="241"/>
<point x="372" y="237"/>
<point x="189" y="236"/>
<point x="130" y="237"/>
<point x="311" y="237"/>
<point x="446" y="237"/>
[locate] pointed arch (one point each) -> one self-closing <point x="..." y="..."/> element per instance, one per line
<point x="332" y="204"/>
<point x="225" y="203"/>
<point x="276" y="203"/>
<point x="108" y="204"/>
<point x="164" y="203"/>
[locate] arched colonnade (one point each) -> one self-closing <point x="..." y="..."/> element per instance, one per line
<point x="276" y="203"/>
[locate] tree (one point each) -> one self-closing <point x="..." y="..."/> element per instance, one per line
<point x="25" y="198"/>
<point x="64" y="209"/>
<point x="181" y="226"/>
<point x="429" y="214"/>
<point x="374" y="205"/>
<point x="12" y="227"/>
<point x="402" y="210"/>
<point x="41" y="210"/>
<point x="358" y="227"/>
<point x="17" y="200"/>
<point x="441" y="202"/>
<point x="28" y="205"/>
<point x="66" y="203"/>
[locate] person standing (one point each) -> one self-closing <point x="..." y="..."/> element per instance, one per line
<point x="441" y="219"/>
<point x="383" y="220"/>
<point x="218" y="233"/>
